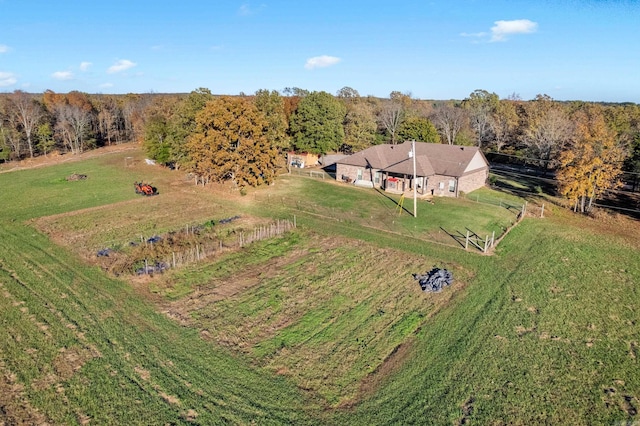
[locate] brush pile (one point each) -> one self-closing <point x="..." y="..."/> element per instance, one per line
<point x="434" y="280"/>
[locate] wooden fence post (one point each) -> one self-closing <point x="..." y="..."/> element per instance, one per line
<point x="466" y="243"/>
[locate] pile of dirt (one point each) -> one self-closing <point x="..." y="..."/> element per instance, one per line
<point x="75" y="177"/>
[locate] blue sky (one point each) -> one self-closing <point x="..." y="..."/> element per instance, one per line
<point x="567" y="49"/>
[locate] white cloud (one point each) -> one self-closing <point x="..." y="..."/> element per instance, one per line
<point x="106" y="85"/>
<point x="4" y="48"/>
<point x="502" y="29"/>
<point x="121" y="65"/>
<point x="483" y="34"/>
<point x="62" y="75"/>
<point x="246" y="9"/>
<point x="84" y="66"/>
<point x="7" y="79"/>
<point x="321" y="62"/>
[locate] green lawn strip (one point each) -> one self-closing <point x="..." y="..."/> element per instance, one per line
<point x="138" y="366"/>
<point x="44" y="191"/>
<point x="438" y="221"/>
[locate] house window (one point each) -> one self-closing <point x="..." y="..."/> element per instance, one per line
<point x="441" y="186"/>
<point x="359" y="174"/>
<point x="376" y="178"/>
<point x="452" y="186"/>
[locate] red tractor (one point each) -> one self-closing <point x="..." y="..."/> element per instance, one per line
<point x="145" y="189"/>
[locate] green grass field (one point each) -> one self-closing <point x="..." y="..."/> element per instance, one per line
<point x="323" y="325"/>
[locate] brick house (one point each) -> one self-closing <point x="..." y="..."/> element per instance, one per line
<point x="442" y="170"/>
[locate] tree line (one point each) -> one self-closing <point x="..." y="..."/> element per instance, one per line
<point x="242" y="138"/>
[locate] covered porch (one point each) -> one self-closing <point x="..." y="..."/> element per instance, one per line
<point x="397" y="183"/>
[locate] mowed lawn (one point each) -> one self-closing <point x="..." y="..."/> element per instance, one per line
<point x="323" y="325"/>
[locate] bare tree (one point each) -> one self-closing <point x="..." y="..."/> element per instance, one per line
<point x="347" y="93"/>
<point x="503" y="123"/>
<point x="72" y="125"/>
<point x="27" y="112"/>
<point x="390" y="117"/>
<point x="547" y="129"/>
<point x="449" y="120"/>
<point x="110" y="120"/>
<point x="481" y="104"/>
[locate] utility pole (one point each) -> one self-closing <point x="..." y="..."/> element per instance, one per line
<point x="412" y="154"/>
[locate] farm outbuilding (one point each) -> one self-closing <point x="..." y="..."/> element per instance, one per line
<point x="441" y="170"/>
<point x="302" y="159"/>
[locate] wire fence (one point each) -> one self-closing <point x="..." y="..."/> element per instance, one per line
<point x="157" y="263"/>
<point x="312" y="173"/>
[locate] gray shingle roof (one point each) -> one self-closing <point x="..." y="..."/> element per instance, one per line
<point x="431" y="159"/>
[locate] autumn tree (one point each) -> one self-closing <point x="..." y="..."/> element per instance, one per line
<point x="230" y="144"/>
<point x="271" y="104"/>
<point x="183" y="122"/>
<point x="316" y="125"/>
<point x="359" y="125"/>
<point x="592" y="162"/>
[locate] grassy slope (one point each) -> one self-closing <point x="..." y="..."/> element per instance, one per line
<point x="76" y="343"/>
<point x="132" y="362"/>
<point x="547" y="331"/>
